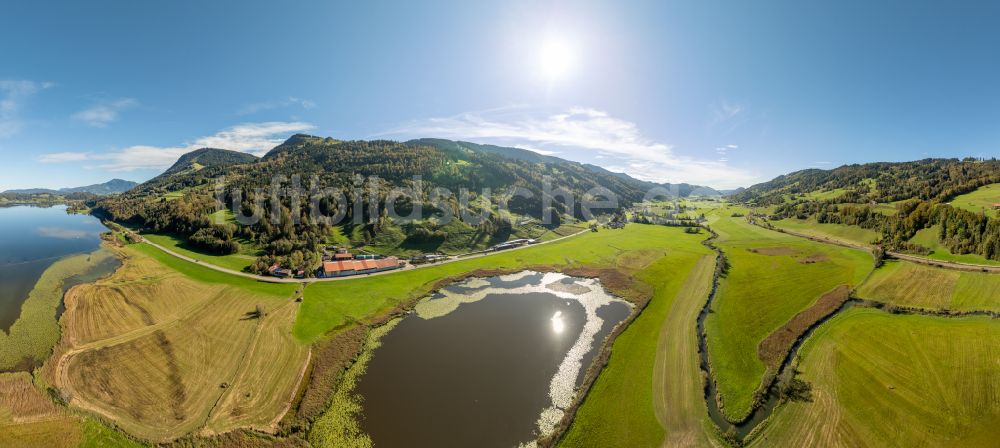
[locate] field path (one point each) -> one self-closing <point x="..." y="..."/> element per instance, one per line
<point x="678" y="399"/>
<point x="407" y="267"/>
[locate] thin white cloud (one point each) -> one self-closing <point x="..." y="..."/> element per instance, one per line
<point x="61" y="157"/>
<point x="13" y="93"/>
<point x="726" y="117"/>
<point x="253" y="138"/>
<point x="591" y="131"/>
<point x="268" y="105"/>
<point x="105" y="112"/>
<point x="724" y="151"/>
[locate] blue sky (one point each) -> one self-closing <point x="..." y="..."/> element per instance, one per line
<point x="718" y="93"/>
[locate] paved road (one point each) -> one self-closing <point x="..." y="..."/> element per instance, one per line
<point x="901" y="256"/>
<point x="408" y="266"/>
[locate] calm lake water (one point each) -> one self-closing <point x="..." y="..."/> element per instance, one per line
<point x="31" y="239"/>
<point x="486" y="362"/>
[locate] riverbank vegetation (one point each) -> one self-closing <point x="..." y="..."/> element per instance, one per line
<point x="772" y="277"/>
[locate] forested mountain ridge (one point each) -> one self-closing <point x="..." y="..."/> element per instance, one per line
<point x="881" y="181"/>
<point x="181" y="200"/>
<point x="895" y="199"/>
<point x="194" y="168"/>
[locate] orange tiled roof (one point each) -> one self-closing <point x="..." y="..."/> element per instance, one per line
<point x="360" y="265"/>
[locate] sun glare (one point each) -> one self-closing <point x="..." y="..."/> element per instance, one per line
<point x="557" y="323"/>
<point x="557" y="58"/>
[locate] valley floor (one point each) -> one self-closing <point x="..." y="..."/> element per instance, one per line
<point x="169" y="346"/>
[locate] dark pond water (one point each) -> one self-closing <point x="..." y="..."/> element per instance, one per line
<point x="488" y="362"/>
<point x="31" y="239"/>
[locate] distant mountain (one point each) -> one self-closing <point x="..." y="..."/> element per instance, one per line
<point x="681" y="190"/>
<point x="208" y="157"/>
<point x="194" y="167"/>
<point x="112" y="186"/>
<point x="732" y="191"/>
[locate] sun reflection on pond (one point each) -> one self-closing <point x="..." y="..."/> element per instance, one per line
<point x="557" y="322"/>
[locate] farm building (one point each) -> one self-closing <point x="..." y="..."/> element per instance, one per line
<point x="512" y="244"/>
<point x="277" y="271"/>
<point x="996" y="206"/>
<point x="428" y="258"/>
<point x="341" y="268"/>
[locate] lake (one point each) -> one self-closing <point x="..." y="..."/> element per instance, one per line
<point x="31" y="239"/>
<point x="486" y="362"/>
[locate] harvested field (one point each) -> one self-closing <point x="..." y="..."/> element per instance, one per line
<point x="880" y="379"/>
<point x="916" y="285"/>
<point x="244" y="403"/>
<point x="21" y="402"/>
<point x="163" y="355"/>
<point x="29" y="418"/>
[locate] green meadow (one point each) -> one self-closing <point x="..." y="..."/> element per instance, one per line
<point x="208" y="275"/>
<point x="981" y="200"/>
<point x="929" y="238"/>
<point x="833" y="232"/>
<point x="620" y="408"/>
<point x="772" y="277"/>
<point x="894" y="380"/>
<point x="329" y="305"/>
<point x="916" y="285"/>
<point x="236" y="262"/>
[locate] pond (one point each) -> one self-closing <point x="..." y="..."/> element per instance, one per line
<point x="486" y="362"/>
<point x="31" y="239"/>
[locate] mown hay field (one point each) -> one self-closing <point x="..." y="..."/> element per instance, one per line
<point x="624" y="406"/>
<point x="29" y="418"/>
<point x="772" y="277"/>
<point x="915" y="285"/>
<point x="160" y="353"/>
<point x="880" y="379"/>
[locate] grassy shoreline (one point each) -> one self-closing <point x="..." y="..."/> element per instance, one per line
<point x="31" y="338"/>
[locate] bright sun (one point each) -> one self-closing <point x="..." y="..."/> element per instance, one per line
<point x="557" y="59"/>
